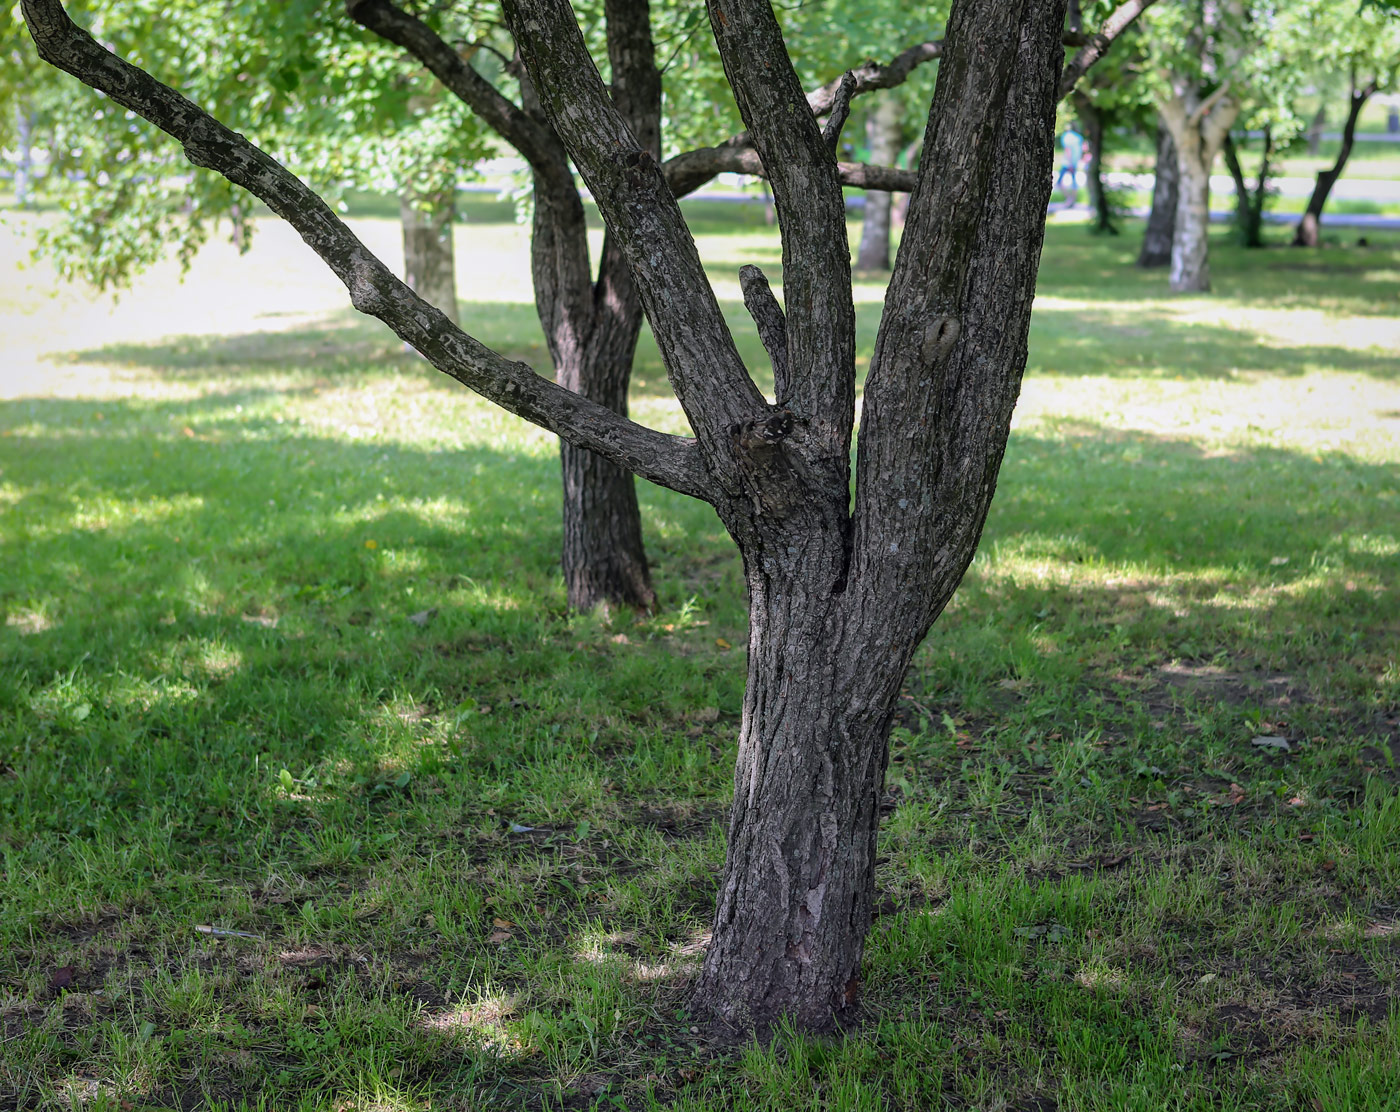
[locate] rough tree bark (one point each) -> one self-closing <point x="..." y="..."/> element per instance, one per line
<point x="1309" y="230"/>
<point x="1161" y="221"/>
<point x="841" y="590"/>
<point x="1198" y="127"/>
<point x="426" y="217"/>
<point x="882" y="133"/>
<point x="1249" y="203"/>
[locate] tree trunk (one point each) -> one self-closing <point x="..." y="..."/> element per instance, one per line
<point x="1091" y="119"/>
<point x="1319" y="121"/>
<point x="1199" y="127"/>
<point x="25" y="165"/>
<point x="1309" y="230"/>
<point x="1161" y="221"/>
<point x="592" y="331"/>
<point x="1190" y="267"/>
<point x="429" y="268"/>
<point x="1249" y="203"/>
<point x="882" y="128"/>
<point x="839" y="601"/>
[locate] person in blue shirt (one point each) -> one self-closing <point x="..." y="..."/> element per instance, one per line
<point x="1073" y="145"/>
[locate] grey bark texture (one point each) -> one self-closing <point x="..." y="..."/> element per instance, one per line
<point x="841" y="589"/>
<point x="429" y="269"/>
<point x="1161" y="220"/>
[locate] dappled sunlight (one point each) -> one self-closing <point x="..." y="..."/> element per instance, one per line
<point x="485" y="1023"/>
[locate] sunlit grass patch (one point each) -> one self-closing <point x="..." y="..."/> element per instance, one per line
<point x="285" y="657"/>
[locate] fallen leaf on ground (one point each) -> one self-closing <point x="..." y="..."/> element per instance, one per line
<point x="61" y="977"/>
<point x="499" y="936"/>
<point x="503" y="924"/>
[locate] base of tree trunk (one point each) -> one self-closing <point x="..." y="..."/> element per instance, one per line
<point x="604" y="562"/>
<point x="1309" y="231"/>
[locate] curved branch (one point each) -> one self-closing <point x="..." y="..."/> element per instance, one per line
<point x="668" y="460"/>
<point x="1097" y="45"/>
<point x="536" y="145"/>
<point x="704" y="366"/>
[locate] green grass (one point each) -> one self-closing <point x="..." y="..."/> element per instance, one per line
<point x="218" y="709"/>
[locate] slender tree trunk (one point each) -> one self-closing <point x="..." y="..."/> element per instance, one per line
<point x="882" y="128"/>
<point x="1249" y="203"/>
<point x="429" y="268"/>
<point x="1308" y="232"/>
<point x="1091" y="119"/>
<point x="1161" y="221"/>
<point x="25" y="165"/>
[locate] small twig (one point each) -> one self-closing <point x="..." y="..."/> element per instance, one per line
<point x="840" y="110"/>
<point x="223" y="932"/>
<point x="772" y="325"/>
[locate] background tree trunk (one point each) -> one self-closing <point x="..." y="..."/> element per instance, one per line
<point x="1161" y="221"/>
<point x="1249" y="203"/>
<point x="24" y="166"/>
<point x="429" y="267"/>
<point x="1309" y="230"/>
<point x="882" y="134"/>
<point x="1091" y="120"/>
<point x="1199" y="127"/>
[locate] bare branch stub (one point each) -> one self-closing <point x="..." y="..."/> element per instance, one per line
<point x="670" y="461"/>
<point x="772" y="325"/>
<point x="840" y="111"/>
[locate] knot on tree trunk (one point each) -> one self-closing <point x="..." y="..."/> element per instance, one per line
<point x="761" y="434"/>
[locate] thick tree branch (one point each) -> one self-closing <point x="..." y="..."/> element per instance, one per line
<point x="874" y="75"/>
<point x="705" y="369"/>
<point x="688" y="171"/>
<point x="812" y="215"/>
<point x="536" y="145"/>
<point x="1097" y="45"/>
<point x="772" y="325"/>
<point x="668" y="460"/>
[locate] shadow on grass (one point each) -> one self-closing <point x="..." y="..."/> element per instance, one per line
<point x="191" y="614"/>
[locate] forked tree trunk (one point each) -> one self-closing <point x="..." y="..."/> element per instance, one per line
<point x="429" y="268"/>
<point x="1309" y="230"/>
<point x="882" y="129"/>
<point x="838" y="604"/>
<point x="842" y="589"/>
<point x="1199" y="128"/>
<point x="1161" y="221"/>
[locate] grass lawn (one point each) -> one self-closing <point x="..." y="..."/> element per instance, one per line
<point x="283" y="653"/>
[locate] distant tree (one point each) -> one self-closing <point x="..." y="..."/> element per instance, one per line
<point x="1363" y="45"/>
<point x="843" y="583"/>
